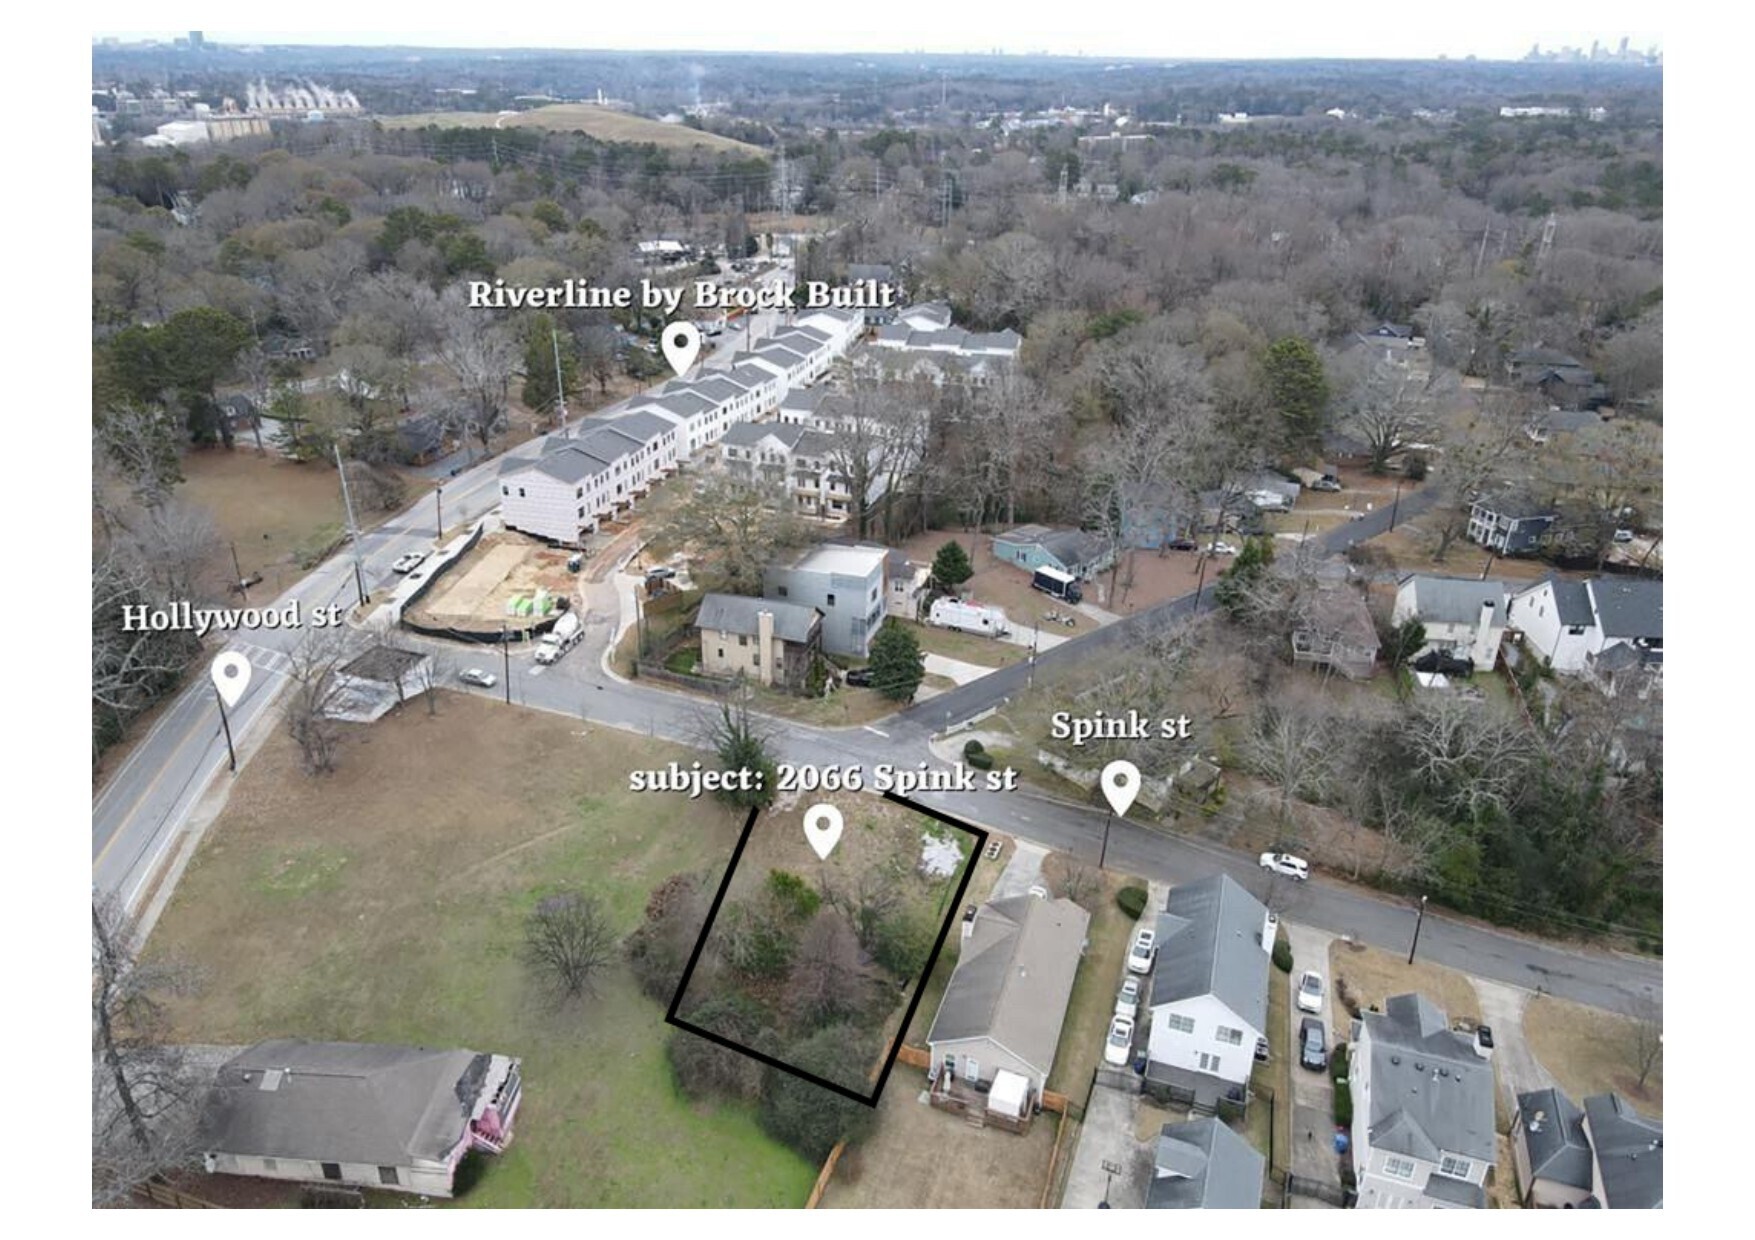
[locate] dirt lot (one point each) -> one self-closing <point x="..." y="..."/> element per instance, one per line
<point x="919" y="1158"/>
<point x="501" y="567"/>
<point x="1589" y="1051"/>
<point x="1002" y="584"/>
<point x="385" y="903"/>
<point x="1373" y="976"/>
<point x="277" y="512"/>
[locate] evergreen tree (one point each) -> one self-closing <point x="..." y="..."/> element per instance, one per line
<point x="540" y="343"/>
<point x="1298" y="388"/>
<point x="1232" y="589"/>
<point x="897" y="666"/>
<point x="951" y="566"/>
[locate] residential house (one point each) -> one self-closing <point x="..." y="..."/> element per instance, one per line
<point x="770" y="642"/>
<point x="1209" y="992"/>
<point x="1337" y="633"/>
<point x="905" y="585"/>
<point x="1007" y="997"/>
<point x="1609" y="628"/>
<point x="1423" y="1132"/>
<point x="1202" y="1164"/>
<point x="809" y="465"/>
<point x="1463" y="616"/>
<point x="1510" y="522"/>
<point x="1038" y="546"/>
<point x="1544" y="425"/>
<point x="1566" y="382"/>
<point x="420" y="440"/>
<point x="1394" y="344"/>
<point x="1606" y="1156"/>
<point x="374" y="1116"/>
<point x="843" y="581"/>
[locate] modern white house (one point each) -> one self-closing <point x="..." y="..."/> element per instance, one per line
<point x="368" y="1115"/>
<point x="843" y="581"/>
<point x="1423" y="1134"/>
<point x="1575" y="627"/>
<point x="1209" y="992"/>
<point x="1463" y="616"/>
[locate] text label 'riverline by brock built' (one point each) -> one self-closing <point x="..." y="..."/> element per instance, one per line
<point x="579" y="294"/>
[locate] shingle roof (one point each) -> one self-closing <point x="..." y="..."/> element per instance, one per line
<point x="1629" y="1153"/>
<point x="1014" y="977"/>
<point x="1572" y="603"/>
<point x="1430" y="1091"/>
<point x="1630" y="609"/>
<point x="749" y="434"/>
<point x="1457" y="600"/>
<point x="1210" y="944"/>
<point x="571" y="463"/>
<point x="642" y="425"/>
<point x="1203" y="1165"/>
<point x="1442" y="1187"/>
<point x="343" y="1102"/>
<point x="1553" y="1133"/>
<point x="751" y="377"/>
<point x="737" y="613"/>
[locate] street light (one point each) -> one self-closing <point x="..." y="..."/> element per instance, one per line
<point x="226" y="725"/>
<point x="439" y="514"/>
<point x="1103" y="853"/>
<point x="1418" y="922"/>
<point x="1397" y="505"/>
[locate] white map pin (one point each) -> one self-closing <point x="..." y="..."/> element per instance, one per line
<point x="231" y="676"/>
<point x="682" y="344"/>
<point x="1121" y="784"/>
<point x="822" y="827"/>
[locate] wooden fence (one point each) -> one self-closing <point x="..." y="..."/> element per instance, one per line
<point x="823" y="1176"/>
<point x="162" y="1194"/>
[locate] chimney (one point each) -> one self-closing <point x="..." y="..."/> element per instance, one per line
<point x="765" y="645"/>
<point x="1483" y="654"/>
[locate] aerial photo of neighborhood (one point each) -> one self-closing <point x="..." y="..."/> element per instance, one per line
<point x="872" y="630"/>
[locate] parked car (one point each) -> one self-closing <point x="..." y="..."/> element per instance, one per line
<point x="660" y="574"/>
<point x="1623" y="536"/>
<point x="1145" y="947"/>
<point x="1312" y="1044"/>
<point x="1182" y="544"/>
<point x="1127" y="999"/>
<point x="1222" y="548"/>
<point x="1327" y="482"/>
<point x="1261" y="1050"/>
<point x="409" y="562"/>
<point x="1310" y="991"/>
<point x="1484" y="1041"/>
<point x="575" y="563"/>
<point x="860" y="678"/>
<point x="475" y="676"/>
<point x="1120" y="1042"/>
<point x="1286" y="864"/>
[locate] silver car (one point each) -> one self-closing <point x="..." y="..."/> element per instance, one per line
<point x="475" y="676"/>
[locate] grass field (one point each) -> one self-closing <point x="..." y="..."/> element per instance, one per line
<point x="385" y="903"/>
<point x="1093" y="994"/>
<point x="1275" y="1075"/>
<point x="966" y="647"/>
<point x="604" y="124"/>
<point x="1589" y="1051"/>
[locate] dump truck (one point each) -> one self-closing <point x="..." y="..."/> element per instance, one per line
<point x="560" y="639"/>
<point x="955" y="614"/>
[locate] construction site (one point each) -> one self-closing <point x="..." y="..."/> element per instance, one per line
<point x="505" y="581"/>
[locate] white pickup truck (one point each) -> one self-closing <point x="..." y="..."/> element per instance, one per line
<point x="560" y="639"/>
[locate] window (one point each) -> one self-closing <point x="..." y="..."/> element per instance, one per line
<point x="270" y="1166"/>
<point x="831" y="600"/>
<point x="504" y="489"/>
<point x="743" y="639"/>
<point x="780" y="591"/>
<point x="387" y="1175"/>
<point x="1180" y="1023"/>
<point x="520" y="492"/>
<point x="1209" y="1063"/>
<point x="581" y="512"/>
<point x="1451" y="1165"/>
<point x="579" y="494"/>
<point x="722" y="652"/>
<point x="1232" y="1036"/>
<point x="1399" y="1168"/>
<point x="331" y="1171"/>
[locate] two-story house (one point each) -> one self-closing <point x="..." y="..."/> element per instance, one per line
<point x="844" y="582"/>
<point x="1209" y="991"/>
<point x="1607" y="627"/>
<point x="1422" y="1110"/>
<point x="1463" y="616"/>
<point x="1510" y="522"/>
<point x="1606" y="1156"/>
<point x="769" y="642"/>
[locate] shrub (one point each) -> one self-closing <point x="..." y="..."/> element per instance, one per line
<point x="807" y="1117"/>
<point x="901" y="945"/>
<point x="795" y="898"/>
<point x="1282" y="953"/>
<point x="980" y="761"/>
<point x="703" y="1068"/>
<point x="1343" y="1092"/>
<point x="972" y="747"/>
<point x="1132" y="901"/>
<point x="1415" y="466"/>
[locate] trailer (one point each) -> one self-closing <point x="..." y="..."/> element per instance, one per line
<point x="961" y="617"/>
<point x="1056" y="584"/>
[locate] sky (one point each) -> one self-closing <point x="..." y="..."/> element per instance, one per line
<point x="1492" y="29"/>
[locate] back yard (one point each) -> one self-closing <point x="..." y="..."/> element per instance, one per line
<point x="385" y="903"/>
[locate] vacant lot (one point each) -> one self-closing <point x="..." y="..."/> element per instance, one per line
<point x="919" y="1158"/>
<point x="1000" y="583"/>
<point x="385" y="903"/>
<point x="276" y="512"/>
<point x="1372" y="976"/>
<point x="1590" y="1051"/>
<point x="604" y="124"/>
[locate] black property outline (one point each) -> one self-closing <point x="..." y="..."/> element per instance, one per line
<point x="952" y="911"/>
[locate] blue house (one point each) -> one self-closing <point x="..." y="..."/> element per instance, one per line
<point x="1037" y="546"/>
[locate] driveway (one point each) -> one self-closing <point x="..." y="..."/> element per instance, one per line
<point x="1109" y="1161"/>
<point x="1313" y="1104"/>
<point x="1514" y="1065"/>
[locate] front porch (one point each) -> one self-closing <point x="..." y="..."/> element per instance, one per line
<point x="974" y="1103"/>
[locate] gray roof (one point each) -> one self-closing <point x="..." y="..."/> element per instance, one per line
<point x="1203" y="1165"/>
<point x="780" y="353"/>
<point x="343" y="1102"/>
<point x="570" y="463"/>
<point x="1565" y="419"/>
<point x="748" y="434"/>
<point x="606" y="442"/>
<point x="1632" y="609"/>
<point x="1537" y="355"/>
<point x="718" y="388"/>
<point x="1572" y="603"/>
<point x="1441" y="1187"/>
<point x="1210" y="944"/>
<point x="812" y="334"/>
<point x="1457" y="600"/>
<point x="1629" y="1153"/>
<point x="686" y="403"/>
<point x="1070" y="547"/>
<point x="1014" y="977"/>
<point x="1430" y="1091"/>
<point x="738" y="613"/>
<point x="803" y="399"/>
<point x="751" y="377"/>
<point x="1514" y="505"/>
<point x="1553" y="1133"/>
<point x="644" y="426"/>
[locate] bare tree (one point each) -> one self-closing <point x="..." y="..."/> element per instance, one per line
<point x="569" y="939"/>
<point x="736" y="526"/>
<point x="1389" y="410"/>
<point x="1291" y="746"/>
<point x="146" y="1098"/>
<point x="1474" y="453"/>
<point x="316" y="691"/>
<point x="1082" y="884"/>
<point x="1645" y="1037"/>
<point x="828" y="982"/>
<point x="141" y="442"/>
<point x="480" y="355"/>
<point x="1470" y="756"/>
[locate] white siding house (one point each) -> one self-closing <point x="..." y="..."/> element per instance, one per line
<point x="1571" y="625"/>
<point x="1463" y="616"/>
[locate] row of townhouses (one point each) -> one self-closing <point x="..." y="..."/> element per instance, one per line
<point x="596" y="469"/>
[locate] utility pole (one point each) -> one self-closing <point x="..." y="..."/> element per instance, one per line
<point x="439" y="514"/>
<point x="353" y="529"/>
<point x="226" y="725"/>
<point x="1418" y="922"/>
<point x="1481" y="254"/>
<point x="1199" y="585"/>
<point x="560" y="390"/>
<point x="243" y="588"/>
<point x="506" y="660"/>
<point x="1103" y="853"/>
<point x="1396" y="507"/>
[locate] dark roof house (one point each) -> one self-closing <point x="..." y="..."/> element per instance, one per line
<point x="1629" y="1153"/>
<point x="1204" y="1165"/>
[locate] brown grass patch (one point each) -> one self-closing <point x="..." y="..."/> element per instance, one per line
<point x="1589" y="1051"/>
<point x="1372" y="976"/>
